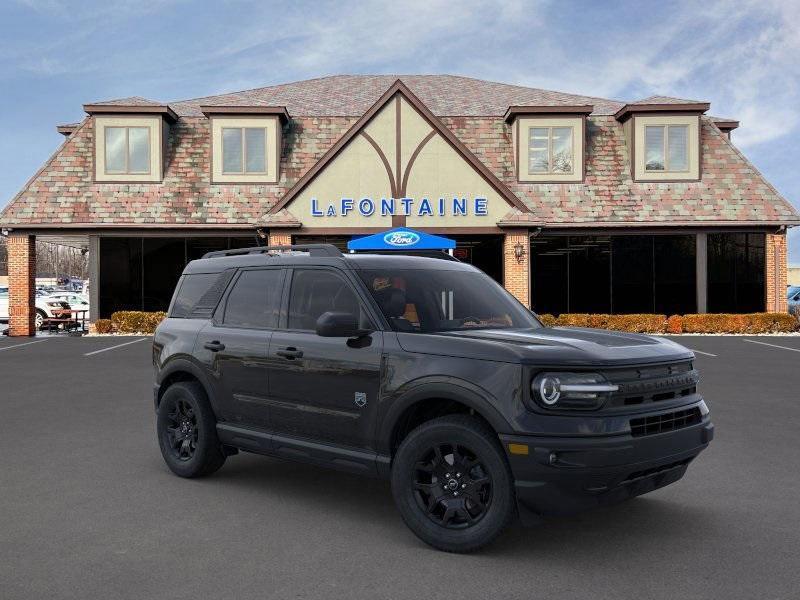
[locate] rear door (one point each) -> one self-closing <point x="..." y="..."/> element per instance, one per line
<point x="234" y="345"/>
<point x="325" y="389"/>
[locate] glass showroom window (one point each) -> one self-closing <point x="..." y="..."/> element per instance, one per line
<point x="127" y="150"/>
<point x="550" y="150"/>
<point x="244" y="150"/>
<point x="666" y="148"/>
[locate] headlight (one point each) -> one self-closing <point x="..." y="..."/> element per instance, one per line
<point x="571" y="390"/>
<point x="58" y="304"/>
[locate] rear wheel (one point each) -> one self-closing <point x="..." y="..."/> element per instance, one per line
<point x="452" y="484"/>
<point x="39" y="318"/>
<point x="187" y="433"/>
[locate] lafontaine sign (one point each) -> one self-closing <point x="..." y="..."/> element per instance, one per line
<point x="422" y="207"/>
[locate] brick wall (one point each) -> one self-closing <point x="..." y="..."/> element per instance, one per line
<point x="776" y="273"/>
<point x="21" y="284"/>
<point x="516" y="274"/>
<point x="280" y="237"/>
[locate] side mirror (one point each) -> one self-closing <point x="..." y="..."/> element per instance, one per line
<point x="339" y="324"/>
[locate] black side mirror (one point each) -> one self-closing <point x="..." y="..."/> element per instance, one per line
<point x="339" y="324"/>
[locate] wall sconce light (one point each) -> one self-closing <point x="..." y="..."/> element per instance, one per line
<point x="519" y="252"/>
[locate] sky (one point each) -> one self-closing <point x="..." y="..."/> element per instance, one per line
<point x="742" y="56"/>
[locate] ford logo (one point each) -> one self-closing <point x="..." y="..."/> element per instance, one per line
<point x="401" y="238"/>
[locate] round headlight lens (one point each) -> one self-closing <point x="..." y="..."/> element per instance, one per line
<point x="549" y="389"/>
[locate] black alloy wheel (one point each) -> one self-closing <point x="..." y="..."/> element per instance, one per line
<point x="452" y="486"/>
<point x="182" y="430"/>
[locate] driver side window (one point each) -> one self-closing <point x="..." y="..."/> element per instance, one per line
<point x="317" y="291"/>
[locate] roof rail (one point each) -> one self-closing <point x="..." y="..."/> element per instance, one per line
<point x="312" y="249"/>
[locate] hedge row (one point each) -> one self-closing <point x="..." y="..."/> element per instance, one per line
<point x="707" y="323"/>
<point x="135" y="321"/>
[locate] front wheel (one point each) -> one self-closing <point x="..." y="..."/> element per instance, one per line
<point x="452" y="484"/>
<point x="187" y="431"/>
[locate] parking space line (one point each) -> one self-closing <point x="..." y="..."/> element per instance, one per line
<point x="772" y="345"/>
<point x="115" y="347"/>
<point x="704" y="353"/>
<point x="20" y="345"/>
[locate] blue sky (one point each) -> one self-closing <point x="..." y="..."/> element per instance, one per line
<point x="56" y="55"/>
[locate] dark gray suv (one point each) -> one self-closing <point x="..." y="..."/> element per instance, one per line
<point x="423" y="371"/>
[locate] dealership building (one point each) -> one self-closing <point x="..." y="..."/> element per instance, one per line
<point x="573" y="203"/>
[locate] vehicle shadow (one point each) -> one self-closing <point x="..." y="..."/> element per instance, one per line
<point x="639" y="525"/>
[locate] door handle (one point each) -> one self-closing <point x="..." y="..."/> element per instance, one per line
<point x="290" y="353"/>
<point x="214" y="346"/>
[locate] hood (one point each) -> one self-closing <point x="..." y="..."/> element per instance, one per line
<point x="548" y="346"/>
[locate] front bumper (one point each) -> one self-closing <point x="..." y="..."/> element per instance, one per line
<point x="565" y="475"/>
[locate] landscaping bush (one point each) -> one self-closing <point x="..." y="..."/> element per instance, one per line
<point x="136" y="321"/>
<point x="707" y="323"/>
<point x="103" y="326"/>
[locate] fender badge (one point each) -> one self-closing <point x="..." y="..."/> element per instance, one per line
<point x="360" y="399"/>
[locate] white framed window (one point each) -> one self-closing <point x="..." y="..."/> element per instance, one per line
<point x="550" y="150"/>
<point x="244" y="150"/>
<point x="127" y="150"/>
<point x="666" y="148"/>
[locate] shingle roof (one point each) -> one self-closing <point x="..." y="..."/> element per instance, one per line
<point x="63" y="193"/>
<point x="130" y="101"/>
<point x="352" y="95"/>
<point x="665" y="100"/>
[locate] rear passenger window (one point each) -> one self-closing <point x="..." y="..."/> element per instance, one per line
<point x="316" y="291"/>
<point x="254" y="300"/>
<point x="192" y="289"/>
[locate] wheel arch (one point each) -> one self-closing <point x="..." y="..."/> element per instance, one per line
<point x="181" y="369"/>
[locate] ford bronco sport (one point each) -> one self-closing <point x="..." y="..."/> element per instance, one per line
<point x="423" y="371"/>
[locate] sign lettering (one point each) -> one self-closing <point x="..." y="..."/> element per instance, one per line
<point x="423" y="207"/>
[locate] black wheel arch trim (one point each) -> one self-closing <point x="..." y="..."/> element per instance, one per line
<point x="447" y="388"/>
<point x="184" y="365"/>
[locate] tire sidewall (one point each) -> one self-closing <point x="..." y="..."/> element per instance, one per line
<point x="208" y="451"/>
<point x="471" y="434"/>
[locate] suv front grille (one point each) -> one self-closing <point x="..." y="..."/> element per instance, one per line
<point x="667" y="422"/>
<point x="643" y="385"/>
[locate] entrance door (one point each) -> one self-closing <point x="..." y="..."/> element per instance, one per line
<point x="323" y="388"/>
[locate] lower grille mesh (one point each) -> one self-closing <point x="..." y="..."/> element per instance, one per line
<point x="667" y="422"/>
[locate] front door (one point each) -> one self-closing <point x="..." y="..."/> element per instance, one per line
<point x="235" y="346"/>
<point x="325" y="389"/>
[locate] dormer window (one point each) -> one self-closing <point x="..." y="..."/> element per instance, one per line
<point x="666" y="148"/>
<point x="244" y="150"/>
<point x="550" y="150"/>
<point x="127" y="150"/>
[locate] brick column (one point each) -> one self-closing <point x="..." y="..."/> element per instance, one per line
<point x="516" y="273"/>
<point x="280" y="237"/>
<point x="775" y="273"/>
<point x="21" y="284"/>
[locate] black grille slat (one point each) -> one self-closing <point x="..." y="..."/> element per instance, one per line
<point x="657" y="383"/>
<point x="663" y="423"/>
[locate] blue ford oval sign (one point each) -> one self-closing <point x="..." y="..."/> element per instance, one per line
<point x="401" y="239"/>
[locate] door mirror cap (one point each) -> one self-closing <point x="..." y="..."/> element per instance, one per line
<point x="339" y="324"/>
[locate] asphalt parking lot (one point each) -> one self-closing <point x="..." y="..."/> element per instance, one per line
<point x="89" y="510"/>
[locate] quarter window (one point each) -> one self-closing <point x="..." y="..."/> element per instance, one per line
<point x="254" y="300"/>
<point x="244" y="150"/>
<point x="666" y="147"/>
<point x="127" y="150"/>
<point x="550" y="150"/>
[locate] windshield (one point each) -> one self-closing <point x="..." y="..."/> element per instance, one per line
<point x="428" y="301"/>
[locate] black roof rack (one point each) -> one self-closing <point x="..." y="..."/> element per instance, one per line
<point x="312" y="249"/>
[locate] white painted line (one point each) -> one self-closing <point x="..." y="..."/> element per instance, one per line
<point x="20" y="345"/>
<point x="704" y="353"/>
<point x="772" y="345"/>
<point x="114" y="347"/>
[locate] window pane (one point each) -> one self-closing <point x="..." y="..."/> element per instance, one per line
<point x="115" y="149"/>
<point x="120" y="265"/>
<point x="163" y="261"/>
<point x="678" y="140"/>
<point x="231" y="150"/>
<point x="254" y="299"/>
<point x="562" y="149"/>
<point x="589" y="274"/>
<point x="314" y="292"/>
<point x="256" y="151"/>
<point x="193" y="287"/>
<point x="138" y="149"/>
<point x="538" y="150"/>
<point x="537" y="161"/>
<point x="736" y="272"/>
<point x="549" y="275"/>
<point x="675" y="279"/>
<point x="632" y="274"/>
<point x="654" y="148"/>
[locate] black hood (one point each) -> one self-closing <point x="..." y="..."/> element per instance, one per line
<point x="543" y="346"/>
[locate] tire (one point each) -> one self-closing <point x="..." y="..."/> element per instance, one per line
<point x="187" y="431"/>
<point x="449" y="505"/>
<point x="39" y="318"/>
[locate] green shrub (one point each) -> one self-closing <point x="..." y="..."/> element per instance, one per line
<point x="136" y="321"/>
